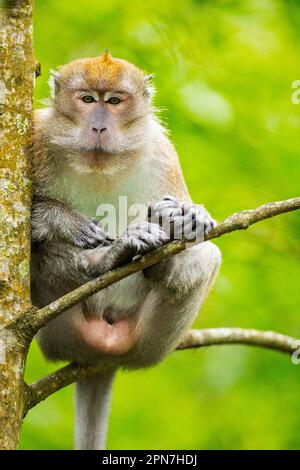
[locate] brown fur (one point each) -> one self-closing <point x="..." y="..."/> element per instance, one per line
<point x="102" y="73"/>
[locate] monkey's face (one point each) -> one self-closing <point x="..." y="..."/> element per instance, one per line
<point x="103" y="107"/>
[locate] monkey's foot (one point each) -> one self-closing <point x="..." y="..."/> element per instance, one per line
<point x="143" y="237"/>
<point x="181" y="221"/>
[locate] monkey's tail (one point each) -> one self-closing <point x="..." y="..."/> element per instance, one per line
<point x="92" y="401"/>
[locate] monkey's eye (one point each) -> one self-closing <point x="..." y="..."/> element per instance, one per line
<point x="113" y="100"/>
<point x="88" y="99"/>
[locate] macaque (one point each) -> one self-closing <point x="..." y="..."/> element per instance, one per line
<point x="101" y="139"/>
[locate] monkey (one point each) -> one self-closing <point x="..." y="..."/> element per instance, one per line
<point x="100" y="138"/>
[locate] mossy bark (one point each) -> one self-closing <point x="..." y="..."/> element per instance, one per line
<point x="16" y="91"/>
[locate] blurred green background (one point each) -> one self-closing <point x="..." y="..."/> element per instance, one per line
<point x="223" y="72"/>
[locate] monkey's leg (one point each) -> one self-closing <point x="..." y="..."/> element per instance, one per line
<point x="92" y="401"/>
<point x="179" y="286"/>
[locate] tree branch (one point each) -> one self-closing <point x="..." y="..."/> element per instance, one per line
<point x="43" y="388"/>
<point x="217" y="336"/>
<point x="28" y="323"/>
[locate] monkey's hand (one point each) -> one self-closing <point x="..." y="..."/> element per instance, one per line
<point x="137" y="240"/>
<point x="87" y="234"/>
<point x="181" y="221"/>
<point x="143" y="237"/>
<point x="52" y="220"/>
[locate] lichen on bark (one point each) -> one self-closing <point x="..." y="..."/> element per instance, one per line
<point x="16" y="91"/>
<point x="16" y="88"/>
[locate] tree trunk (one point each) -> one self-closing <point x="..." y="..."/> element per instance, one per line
<point x="16" y="90"/>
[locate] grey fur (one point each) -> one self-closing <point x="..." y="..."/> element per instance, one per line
<point x="53" y="220"/>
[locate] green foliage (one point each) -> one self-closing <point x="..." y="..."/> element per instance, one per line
<point x="223" y="73"/>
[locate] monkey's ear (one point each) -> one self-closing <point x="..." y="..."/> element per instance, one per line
<point x="54" y="83"/>
<point x="150" y="88"/>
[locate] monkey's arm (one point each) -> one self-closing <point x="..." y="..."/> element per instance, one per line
<point x="52" y="220"/>
<point x="58" y="267"/>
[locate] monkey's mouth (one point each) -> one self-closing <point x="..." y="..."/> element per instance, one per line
<point x="95" y="150"/>
<point x="109" y="335"/>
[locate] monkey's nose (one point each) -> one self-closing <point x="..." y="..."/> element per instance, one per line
<point x="99" y="130"/>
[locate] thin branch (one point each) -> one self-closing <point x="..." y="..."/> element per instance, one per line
<point x="28" y="323"/>
<point x="43" y="388"/>
<point x="217" y="336"/>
